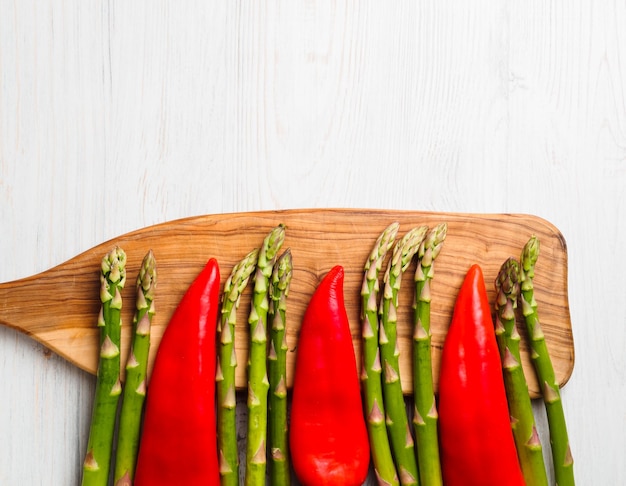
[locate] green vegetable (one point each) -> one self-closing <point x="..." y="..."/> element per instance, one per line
<point x="559" y="441"/>
<point x="258" y="383"/>
<point x="402" y="444"/>
<point x="277" y="368"/>
<point x="97" y="462"/>
<point x="134" y="393"/>
<point x="371" y="369"/>
<point x="527" y="441"/>
<point x="225" y="373"/>
<point x="425" y="416"/>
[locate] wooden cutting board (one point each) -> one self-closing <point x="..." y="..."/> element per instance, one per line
<point x="59" y="307"/>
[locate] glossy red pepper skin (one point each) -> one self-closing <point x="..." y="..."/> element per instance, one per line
<point x="178" y="443"/>
<point x="328" y="436"/>
<point x="477" y="447"/>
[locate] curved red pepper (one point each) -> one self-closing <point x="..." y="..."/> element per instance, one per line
<point x="178" y="443"/>
<point x="328" y="436"/>
<point x="476" y="441"/>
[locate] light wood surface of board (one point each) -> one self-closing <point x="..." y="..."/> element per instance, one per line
<point x="59" y="307"/>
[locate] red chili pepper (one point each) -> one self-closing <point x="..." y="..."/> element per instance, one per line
<point x="476" y="441"/>
<point x="178" y="443"/>
<point x="328" y="436"/>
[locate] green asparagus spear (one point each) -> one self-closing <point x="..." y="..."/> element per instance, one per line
<point x="559" y="441"/>
<point x="134" y="393"/>
<point x="97" y="462"/>
<point x="277" y="367"/>
<point x="258" y="383"/>
<point x="225" y="373"/>
<point x="370" y="369"/>
<point x="425" y="416"/>
<point x="527" y="441"/>
<point x="402" y="444"/>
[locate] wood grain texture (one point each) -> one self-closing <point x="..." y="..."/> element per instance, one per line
<point x="59" y="307"/>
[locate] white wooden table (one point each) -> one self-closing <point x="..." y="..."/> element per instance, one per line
<point x="117" y="115"/>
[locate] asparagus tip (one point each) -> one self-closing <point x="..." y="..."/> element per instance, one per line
<point x="147" y="277"/>
<point x="381" y="247"/>
<point x="507" y="288"/>
<point x="530" y="254"/>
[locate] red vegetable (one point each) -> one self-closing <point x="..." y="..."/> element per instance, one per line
<point x="328" y="436"/>
<point x="476" y="441"/>
<point x="178" y="443"/>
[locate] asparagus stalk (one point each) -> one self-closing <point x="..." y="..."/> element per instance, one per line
<point x="277" y="367"/>
<point x="225" y="372"/>
<point x="370" y="369"/>
<point x="258" y="383"/>
<point x="97" y="462"/>
<point x="402" y="444"/>
<point x="134" y="393"/>
<point x="529" y="450"/>
<point x="559" y="441"/>
<point x="425" y="415"/>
